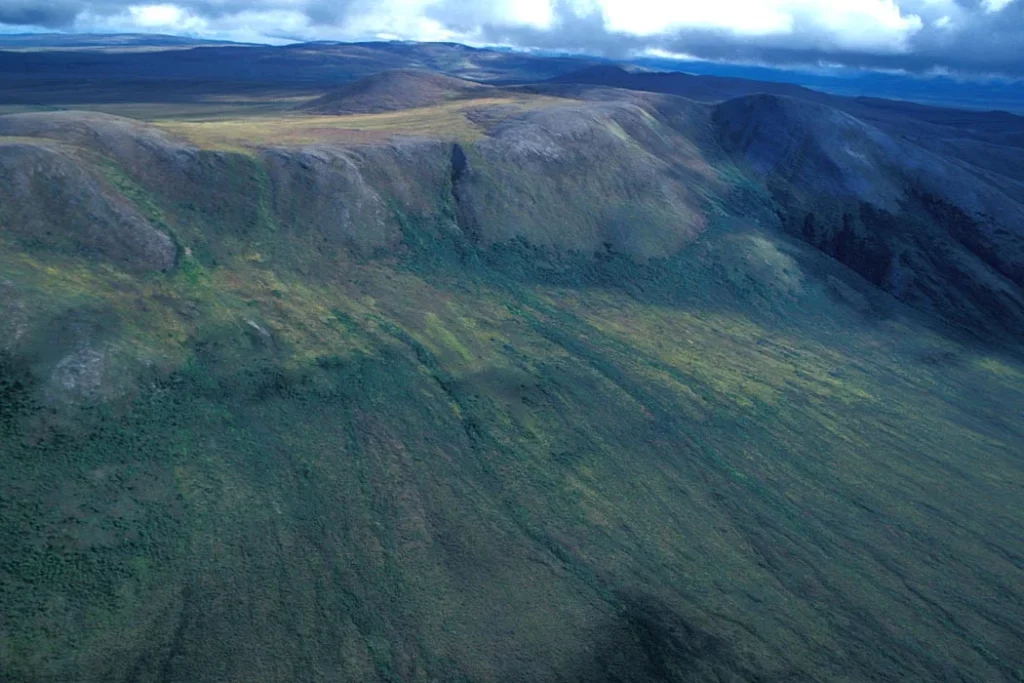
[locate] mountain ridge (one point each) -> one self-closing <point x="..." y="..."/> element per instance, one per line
<point x="560" y="384"/>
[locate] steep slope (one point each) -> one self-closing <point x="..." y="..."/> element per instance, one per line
<point x="393" y="91"/>
<point x="562" y="400"/>
<point x="47" y="196"/>
<point x="589" y="178"/>
<point x="990" y="141"/>
<point x="934" y="232"/>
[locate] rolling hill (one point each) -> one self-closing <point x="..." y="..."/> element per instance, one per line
<point x="691" y="86"/>
<point x="393" y="91"/>
<point x="104" y="41"/>
<point x="569" y="382"/>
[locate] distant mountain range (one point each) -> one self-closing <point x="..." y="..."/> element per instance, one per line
<point x="333" y="62"/>
<point x="939" y="90"/>
<point x="102" y="40"/>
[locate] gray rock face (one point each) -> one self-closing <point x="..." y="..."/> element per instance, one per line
<point x="323" y="190"/>
<point x="575" y="179"/>
<point x="350" y="196"/>
<point x="132" y="143"/>
<point x="48" y="196"/>
<point x="79" y="377"/>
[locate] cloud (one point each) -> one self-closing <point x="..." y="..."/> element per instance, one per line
<point x="44" y="14"/>
<point x="996" y="5"/>
<point x="964" y="36"/>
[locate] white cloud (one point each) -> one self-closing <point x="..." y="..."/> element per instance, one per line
<point x="651" y="17"/>
<point x="850" y="24"/>
<point x="244" y="26"/>
<point x="150" y="16"/>
<point x="658" y="53"/>
<point x="847" y="24"/>
<point x="996" y="5"/>
<point x="536" y="13"/>
<point x="875" y="32"/>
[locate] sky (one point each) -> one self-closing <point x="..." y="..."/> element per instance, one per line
<point x="960" y="37"/>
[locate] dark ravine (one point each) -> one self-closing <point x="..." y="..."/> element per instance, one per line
<point x="460" y="166"/>
<point x="925" y="229"/>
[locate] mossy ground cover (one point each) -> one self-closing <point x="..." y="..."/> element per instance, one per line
<point x="450" y="462"/>
<point x="415" y="474"/>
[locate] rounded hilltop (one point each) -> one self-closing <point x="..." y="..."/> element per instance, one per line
<point x="393" y="91"/>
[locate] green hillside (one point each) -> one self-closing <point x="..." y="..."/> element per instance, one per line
<point x="511" y="390"/>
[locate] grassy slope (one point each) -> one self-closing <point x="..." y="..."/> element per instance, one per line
<point x="459" y="464"/>
<point x="447" y="121"/>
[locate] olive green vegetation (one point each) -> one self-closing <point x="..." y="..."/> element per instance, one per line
<point x="288" y="459"/>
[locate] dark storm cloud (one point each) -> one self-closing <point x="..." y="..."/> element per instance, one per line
<point x="64" y="13"/>
<point x="968" y="36"/>
<point x="986" y="41"/>
<point x="979" y="42"/>
<point x="35" y="13"/>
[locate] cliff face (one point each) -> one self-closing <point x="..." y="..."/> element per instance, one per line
<point x="614" y="388"/>
<point x="943" y="235"/>
<point x="52" y="195"/>
<point x="581" y="178"/>
<point x="635" y="175"/>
